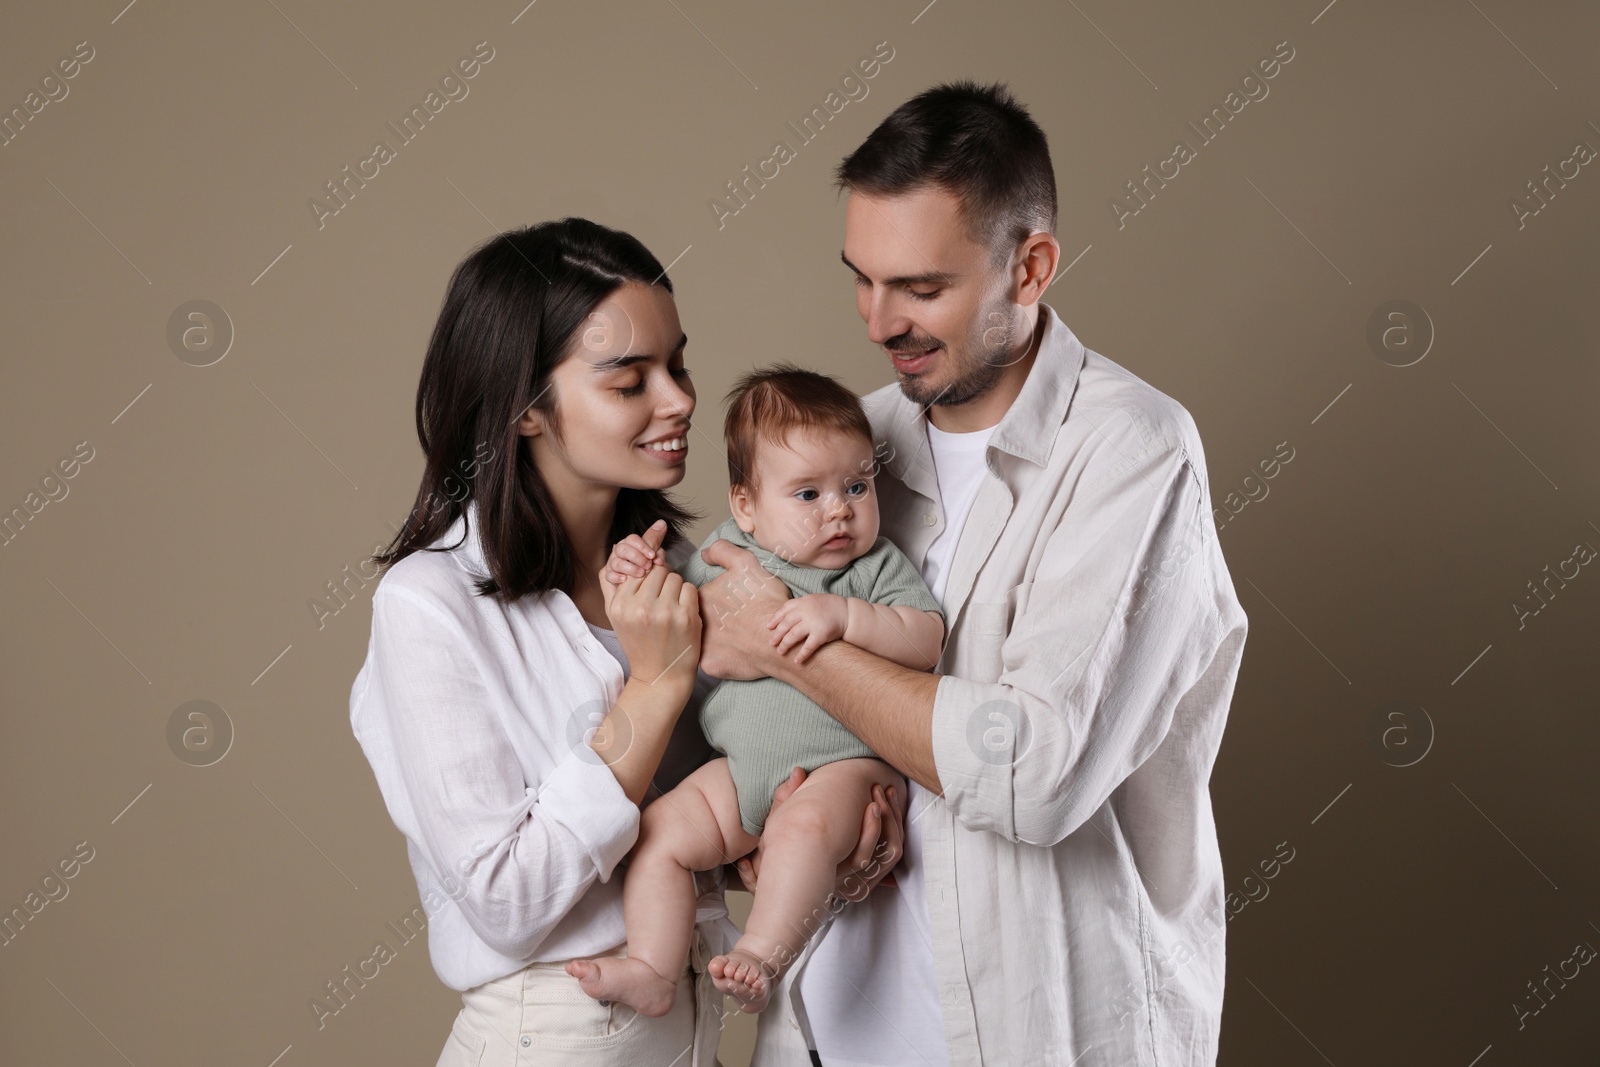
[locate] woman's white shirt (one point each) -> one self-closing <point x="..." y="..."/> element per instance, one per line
<point x="474" y="715"/>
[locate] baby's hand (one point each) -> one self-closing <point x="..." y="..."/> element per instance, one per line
<point x="815" y="619"/>
<point x="632" y="557"/>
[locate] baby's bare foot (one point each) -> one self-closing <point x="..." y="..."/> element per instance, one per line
<point x="627" y="980"/>
<point x="739" y="975"/>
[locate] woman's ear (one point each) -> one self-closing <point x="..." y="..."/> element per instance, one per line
<point x="531" y="422"/>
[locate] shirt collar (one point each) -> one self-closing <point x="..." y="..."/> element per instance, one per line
<point x="1028" y="428"/>
<point x="468" y="552"/>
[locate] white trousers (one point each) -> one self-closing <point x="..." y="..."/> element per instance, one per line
<point x="540" y="1017"/>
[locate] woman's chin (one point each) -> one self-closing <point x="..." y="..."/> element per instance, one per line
<point x="653" y="475"/>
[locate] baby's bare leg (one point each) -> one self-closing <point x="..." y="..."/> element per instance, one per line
<point x="695" y="827"/>
<point x="805" y="841"/>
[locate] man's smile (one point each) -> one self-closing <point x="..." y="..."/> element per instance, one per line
<point x="911" y="362"/>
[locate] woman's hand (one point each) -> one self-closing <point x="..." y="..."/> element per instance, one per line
<point x="879" y="848"/>
<point x="633" y="557"/>
<point x="656" y="617"/>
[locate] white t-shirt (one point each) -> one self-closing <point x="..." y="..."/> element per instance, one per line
<point x="608" y="639"/>
<point x="959" y="462"/>
<point x="869" y="987"/>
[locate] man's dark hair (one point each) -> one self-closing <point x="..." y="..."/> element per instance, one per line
<point x="976" y="142"/>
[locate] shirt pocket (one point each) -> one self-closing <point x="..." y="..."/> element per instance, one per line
<point x="988" y="624"/>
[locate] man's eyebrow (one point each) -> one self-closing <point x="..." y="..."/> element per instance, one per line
<point x="618" y="362"/>
<point x="933" y="277"/>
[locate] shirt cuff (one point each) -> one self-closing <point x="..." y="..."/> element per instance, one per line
<point x="975" y="747"/>
<point x="584" y="797"/>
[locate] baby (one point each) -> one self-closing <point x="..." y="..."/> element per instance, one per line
<point x="800" y="463"/>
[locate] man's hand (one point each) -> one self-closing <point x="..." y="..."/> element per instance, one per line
<point x="814" y="619"/>
<point x="735" y="607"/>
<point x="879" y="848"/>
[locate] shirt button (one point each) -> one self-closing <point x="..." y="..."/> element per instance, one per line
<point x="526" y="1041"/>
<point x="929" y="519"/>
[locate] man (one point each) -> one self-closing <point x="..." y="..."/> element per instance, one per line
<point x="1061" y="895"/>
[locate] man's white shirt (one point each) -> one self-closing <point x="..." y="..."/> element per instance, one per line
<point x="1070" y="870"/>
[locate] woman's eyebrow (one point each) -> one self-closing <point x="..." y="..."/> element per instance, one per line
<point x="618" y="362"/>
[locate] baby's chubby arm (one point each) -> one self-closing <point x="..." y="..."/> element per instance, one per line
<point x="904" y="635"/>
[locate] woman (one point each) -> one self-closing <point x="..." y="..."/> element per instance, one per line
<point x="517" y="711"/>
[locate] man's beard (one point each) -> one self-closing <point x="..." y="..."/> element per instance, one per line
<point x="976" y="375"/>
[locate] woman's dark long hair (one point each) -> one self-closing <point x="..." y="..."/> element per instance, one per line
<point x="510" y="316"/>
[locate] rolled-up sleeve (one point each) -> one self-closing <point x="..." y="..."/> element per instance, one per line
<point x="1120" y="620"/>
<point x="515" y="855"/>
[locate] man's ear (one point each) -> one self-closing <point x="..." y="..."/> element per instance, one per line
<point x="742" y="504"/>
<point x="1036" y="266"/>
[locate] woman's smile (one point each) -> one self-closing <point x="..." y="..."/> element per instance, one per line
<point x="668" y="450"/>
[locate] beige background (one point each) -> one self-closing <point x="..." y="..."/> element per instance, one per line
<point x="1382" y="566"/>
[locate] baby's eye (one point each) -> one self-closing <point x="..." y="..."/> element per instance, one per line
<point x="858" y="489"/>
<point x="807" y="495"/>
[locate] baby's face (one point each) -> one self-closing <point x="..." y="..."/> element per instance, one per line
<point x="816" y="504"/>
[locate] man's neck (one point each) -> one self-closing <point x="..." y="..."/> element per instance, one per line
<point x="988" y="409"/>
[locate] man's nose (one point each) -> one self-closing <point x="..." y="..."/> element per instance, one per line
<point x="883" y="318"/>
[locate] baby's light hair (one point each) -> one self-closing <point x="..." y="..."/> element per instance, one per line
<point x="766" y="405"/>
